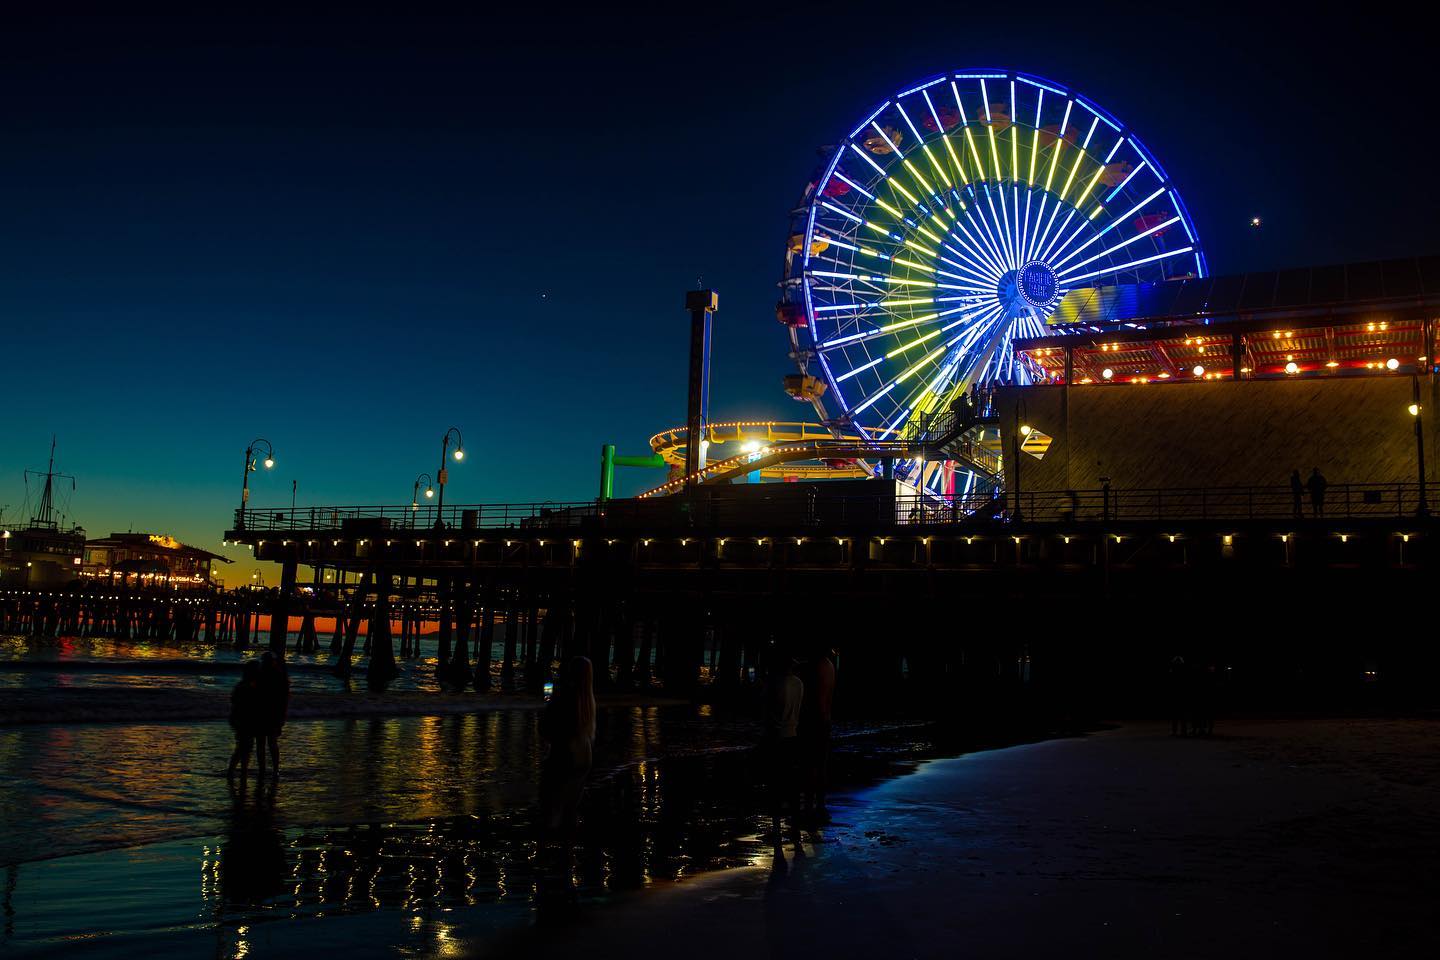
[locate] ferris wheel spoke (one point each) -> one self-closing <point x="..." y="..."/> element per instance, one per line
<point x="982" y="229"/>
<point x="977" y="245"/>
<point x="998" y="223"/>
<point x="1123" y="218"/>
<point x="977" y="274"/>
<point x="1069" y="215"/>
<point x="1133" y="263"/>
<point x="1120" y="246"/>
<point x="1060" y="247"/>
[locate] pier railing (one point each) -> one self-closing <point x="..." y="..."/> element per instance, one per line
<point x="712" y="507"/>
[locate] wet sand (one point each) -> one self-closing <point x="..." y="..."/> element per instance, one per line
<point x="1301" y="838"/>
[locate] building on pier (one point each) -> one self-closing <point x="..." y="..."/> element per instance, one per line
<point x="149" y="560"/>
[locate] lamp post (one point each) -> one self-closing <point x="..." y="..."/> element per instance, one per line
<point x="1022" y="431"/>
<point x="250" y="451"/>
<point x="1423" y="509"/>
<point x="415" y="494"/>
<point x="442" y="476"/>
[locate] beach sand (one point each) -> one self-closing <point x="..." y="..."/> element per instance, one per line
<point x="1298" y="838"/>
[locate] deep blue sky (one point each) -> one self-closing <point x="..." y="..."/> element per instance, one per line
<point x="346" y="233"/>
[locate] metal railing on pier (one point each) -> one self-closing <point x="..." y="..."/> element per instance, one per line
<point x="711" y="507"/>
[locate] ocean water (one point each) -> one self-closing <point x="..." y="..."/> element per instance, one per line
<point x="123" y="838"/>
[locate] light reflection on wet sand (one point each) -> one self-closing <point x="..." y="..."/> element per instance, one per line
<point x="416" y="817"/>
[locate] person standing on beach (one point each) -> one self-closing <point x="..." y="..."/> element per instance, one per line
<point x="1178" y="688"/>
<point x="274" y="706"/>
<point x="784" y="697"/>
<point x="814" y="732"/>
<point x="1317" y="485"/>
<point x="245" y="720"/>
<point x="568" y="726"/>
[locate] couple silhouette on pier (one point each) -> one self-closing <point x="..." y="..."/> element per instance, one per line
<point x="258" y="707"/>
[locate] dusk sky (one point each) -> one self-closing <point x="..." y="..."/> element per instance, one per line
<point x="347" y="234"/>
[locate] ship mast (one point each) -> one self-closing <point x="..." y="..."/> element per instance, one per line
<point x="45" y="511"/>
<point x="47" y="499"/>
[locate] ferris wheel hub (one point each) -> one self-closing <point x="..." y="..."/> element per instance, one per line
<point x="1032" y="287"/>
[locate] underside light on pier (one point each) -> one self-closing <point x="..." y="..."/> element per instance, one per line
<point x="760" y="540"/>
<point x="926" y="541"/>
<point x="1016" y="539"/>
<point x="334" y="543"/>
<point x="1332" y="364"/>
<point x="1344" y="538"/>
<point x="575" y="544"/>
<point x="363" y="542"/>
<point x="841" y="539"/>
<point x="389" y="542"/>
<point x="799" y="540"/>
<point x="1172" y="538"/>
<point x="1228" y="540"/>
<point x="1067" y="539"/>
<point x="1414" y="409"/>
<point x="969" y="540"/>
<point x="1284" y="538"/>
<point x="1292" y="368"/>
<point x="1404" y="538"/>
<point x="684" y="541"/>
<point x="1118" y="538"/>
<point x="542" y="543"/>
<point x="419" y="543"/>
<point x="645" y="543"/>
<point x="723" y="541"/>
<point x="882" y="541"/>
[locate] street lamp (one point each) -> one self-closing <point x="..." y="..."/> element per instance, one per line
<point x="442" y="476"/>
<point x="1423" y="508"/>
<point x="269" y="461"/>
<point x="1021" y="415"/>
<point x="415" y="491"/>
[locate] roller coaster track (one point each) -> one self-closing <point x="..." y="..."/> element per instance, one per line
<point x="945" y="439"/>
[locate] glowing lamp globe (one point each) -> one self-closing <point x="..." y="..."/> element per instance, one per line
<point x="269" y="462"/>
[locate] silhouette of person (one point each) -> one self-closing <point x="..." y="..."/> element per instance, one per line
<point x="568" y="727"/>
<point x="1179" y="690"/>
<point x="245" y="719"/>
<point x="1203" y="700"/>
<point x="814" y="731"/>
<point x="1297" y="491"/>
<point x="1316" y="485"/>
<point x="784" y="697"/>
<point x="274" y="705"/>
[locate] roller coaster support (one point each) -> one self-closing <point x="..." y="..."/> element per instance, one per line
<point x="609" y="461"/>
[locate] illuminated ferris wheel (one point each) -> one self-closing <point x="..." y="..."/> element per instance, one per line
<point x="950" y="222"/>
